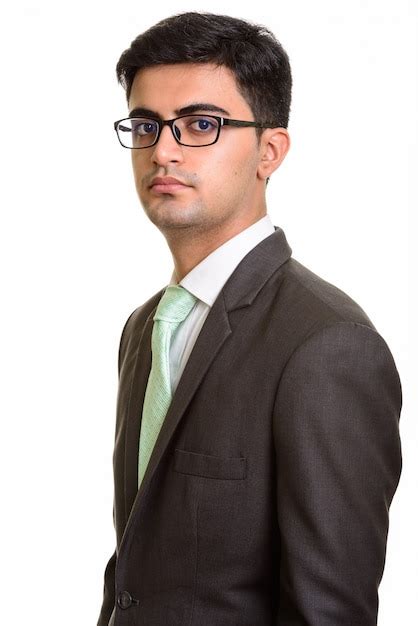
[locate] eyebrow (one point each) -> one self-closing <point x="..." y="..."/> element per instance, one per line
<point x="190" y="108"/>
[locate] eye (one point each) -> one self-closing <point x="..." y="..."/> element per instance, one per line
<point x="144" y="128"/>
<point x="202" y="124"/>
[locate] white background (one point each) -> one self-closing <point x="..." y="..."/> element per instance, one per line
<point x="78" y="255"/>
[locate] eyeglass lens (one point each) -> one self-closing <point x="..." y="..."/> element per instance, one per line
<point x="192" y="130"/>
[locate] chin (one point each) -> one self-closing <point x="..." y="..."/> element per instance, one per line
<point x="174" y="216"/>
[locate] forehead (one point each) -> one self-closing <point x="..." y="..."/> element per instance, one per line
<point x="165" y="88"/>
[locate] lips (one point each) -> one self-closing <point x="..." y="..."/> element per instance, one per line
<point x="167" y="180"/>
<point x="167" y="185"/>
<point x="169" y="189"/>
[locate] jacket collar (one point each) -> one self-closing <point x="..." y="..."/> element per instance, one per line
<point x="255" y="269"/>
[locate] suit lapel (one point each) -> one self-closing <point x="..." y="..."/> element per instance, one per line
<point x="240" y="290"/>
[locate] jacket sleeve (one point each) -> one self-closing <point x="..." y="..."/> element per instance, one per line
<point x="108" y="602"/>
<point x="108" y="592"/>
<point x="338" y="464"/>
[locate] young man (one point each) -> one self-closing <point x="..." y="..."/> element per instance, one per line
<point x="257" y="446"/>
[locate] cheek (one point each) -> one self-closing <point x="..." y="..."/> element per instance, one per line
<point x="233" y="170"/>
<point x="238" y="157"/>
<point x="136" y="167"/>
<point x="142" y="170"/>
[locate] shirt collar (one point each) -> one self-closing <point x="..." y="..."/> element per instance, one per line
<point x="207" y="278"/>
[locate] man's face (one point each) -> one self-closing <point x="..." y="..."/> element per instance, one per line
<point x="223" y="181"/>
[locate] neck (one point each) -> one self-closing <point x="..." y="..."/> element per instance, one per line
<point x="190" y="246"/>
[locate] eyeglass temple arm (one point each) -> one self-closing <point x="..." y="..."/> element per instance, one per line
<point x="228" y="122"/>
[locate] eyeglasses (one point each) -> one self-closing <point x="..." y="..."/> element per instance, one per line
<point x="188" y="130"/>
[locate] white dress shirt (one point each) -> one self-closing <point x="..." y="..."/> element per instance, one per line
<point x="205" y="282"/>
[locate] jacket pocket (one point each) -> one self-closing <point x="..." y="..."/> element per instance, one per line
<point x="208" y="466"/>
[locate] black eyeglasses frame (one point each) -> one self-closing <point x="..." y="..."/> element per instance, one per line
<point x="222" y="121"/>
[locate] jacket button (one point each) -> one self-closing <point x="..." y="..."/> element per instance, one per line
<point x="124" y="599"/>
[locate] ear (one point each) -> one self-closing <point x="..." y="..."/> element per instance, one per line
<point x="274" y="145"/>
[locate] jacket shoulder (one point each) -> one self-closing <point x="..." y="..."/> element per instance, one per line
<point x="310" y="297"/>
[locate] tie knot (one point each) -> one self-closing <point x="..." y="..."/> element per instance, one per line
<point x="175" y="304"/>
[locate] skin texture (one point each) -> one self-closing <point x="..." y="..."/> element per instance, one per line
<point x="227" y="179"/>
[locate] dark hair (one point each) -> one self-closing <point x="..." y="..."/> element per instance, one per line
<point x="260" y="64"/>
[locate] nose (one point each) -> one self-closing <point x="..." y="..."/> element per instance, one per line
<point x="166" y="149"/>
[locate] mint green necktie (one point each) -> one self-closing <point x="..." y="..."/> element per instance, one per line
<point x="174" y="306"/>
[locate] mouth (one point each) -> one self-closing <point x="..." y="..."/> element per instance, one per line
<point x="168" y="187"/>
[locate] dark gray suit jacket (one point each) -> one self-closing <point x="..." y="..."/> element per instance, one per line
<point x="266" y="498"/>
